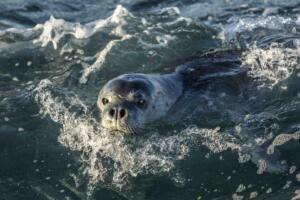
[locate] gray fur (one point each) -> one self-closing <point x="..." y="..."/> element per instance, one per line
<point x="159" y="92"/>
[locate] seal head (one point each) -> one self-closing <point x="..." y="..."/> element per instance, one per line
<point x="131" y="100"/>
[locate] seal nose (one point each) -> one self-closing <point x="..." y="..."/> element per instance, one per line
<point x="117" y="113"/>
<point x="112" y="112"/>
<point x="122" y="113"/>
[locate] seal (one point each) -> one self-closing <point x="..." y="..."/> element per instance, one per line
<point x="129" y="101"/>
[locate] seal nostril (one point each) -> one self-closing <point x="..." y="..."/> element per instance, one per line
<point x="122" y="113"/>
<point x="111" y="112"/>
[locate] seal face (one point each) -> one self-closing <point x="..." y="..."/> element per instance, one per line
<point x="131" y="100"/>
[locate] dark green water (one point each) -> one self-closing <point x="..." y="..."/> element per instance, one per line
<point x="235" y="138"/>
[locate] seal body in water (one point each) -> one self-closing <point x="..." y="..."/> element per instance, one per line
<point x="129" y="101"/>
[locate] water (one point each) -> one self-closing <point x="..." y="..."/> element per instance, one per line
<point x="236" y="138"/>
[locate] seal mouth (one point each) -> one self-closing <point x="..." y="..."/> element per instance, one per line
<point x="127" y="129"/>
<point x="117" y="126"/>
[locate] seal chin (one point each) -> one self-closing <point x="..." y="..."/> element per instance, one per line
<point x="127" y="130"/>
<point x="124" y="128"/>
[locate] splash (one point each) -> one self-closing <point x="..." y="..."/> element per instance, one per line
<point x="272" y="65"/>
<point x="54" y="30"/>
<point x="115" y="159"/>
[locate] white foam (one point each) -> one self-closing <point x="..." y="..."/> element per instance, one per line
<point x="297" y="195"/>
<point x="272" y="65"/>
<point x="287" y="185"/>
<point x="293" y="169"/>
<point x="240" y="188"/>
<point x="237" y="197"/>
<point x="262" y="166"/>
<point x="54" y="29"/>
<point x="269" y="190"/>
<point x="214" y="140"/>
<point x="162" y="41"/>
<point x="282" y="139"/>
<point x="253" y="195"/>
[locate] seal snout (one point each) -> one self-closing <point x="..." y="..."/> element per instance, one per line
<point x="117" y="113"/>
<point x="119" y="116"/>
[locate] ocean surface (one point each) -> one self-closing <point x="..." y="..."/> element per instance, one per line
<point x="236" y="138"/>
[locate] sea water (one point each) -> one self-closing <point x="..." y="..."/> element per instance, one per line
<point x="234" y="139"/>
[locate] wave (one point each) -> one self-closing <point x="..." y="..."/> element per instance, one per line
<point x="54" y="29"/>
<point x="114" y="159"/>
<point x="123" y="29"/>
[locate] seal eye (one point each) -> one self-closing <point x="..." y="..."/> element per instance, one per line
<point x="141" y="102"/>
<point x="105" y="101"/>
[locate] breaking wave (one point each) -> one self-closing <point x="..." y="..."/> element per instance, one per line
<point x="123" y="29"/>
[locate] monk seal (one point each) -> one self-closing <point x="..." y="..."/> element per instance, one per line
<point x="129" y="101"/>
